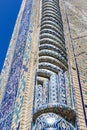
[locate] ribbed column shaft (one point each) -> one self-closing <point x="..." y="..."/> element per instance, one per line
<point x="52" y="66"/>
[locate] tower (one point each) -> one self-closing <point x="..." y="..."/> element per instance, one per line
<point x="42" y="77"/>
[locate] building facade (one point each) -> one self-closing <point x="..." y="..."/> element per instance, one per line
<point x="43" y="83"/>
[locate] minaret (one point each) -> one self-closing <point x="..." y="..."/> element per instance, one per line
<point x="40" y="86"/>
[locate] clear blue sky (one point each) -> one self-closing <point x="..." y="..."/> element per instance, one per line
<point x="8" y="14"/>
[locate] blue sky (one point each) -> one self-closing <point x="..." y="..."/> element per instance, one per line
<point x="8" y="14"/>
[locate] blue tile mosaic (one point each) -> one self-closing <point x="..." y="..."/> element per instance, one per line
<point x="52" y="67"/>
<point x="23" y="78"/>
<point x="5" y="124"/>
<point x="52" y="121"/>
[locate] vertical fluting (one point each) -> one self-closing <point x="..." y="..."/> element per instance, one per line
<point x="52" y="67"/>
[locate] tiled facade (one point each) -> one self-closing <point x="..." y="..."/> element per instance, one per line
<point x="38" y="89"/>
<point x="11" y="88"/>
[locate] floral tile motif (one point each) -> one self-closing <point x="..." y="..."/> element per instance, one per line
<point x="8" y="101"/>
<point x="23" y="79"/>
<point x="52" y="121"/>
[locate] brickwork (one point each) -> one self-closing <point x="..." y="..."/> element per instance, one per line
<point x="75" y="34"/>
<point x="43" y="84"/>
